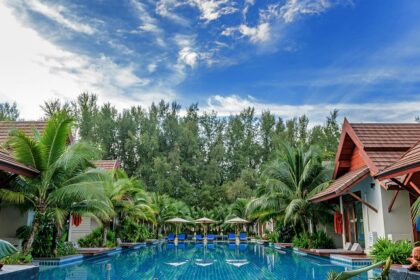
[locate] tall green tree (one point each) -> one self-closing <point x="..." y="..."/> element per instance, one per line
<point x="8" y="111"/>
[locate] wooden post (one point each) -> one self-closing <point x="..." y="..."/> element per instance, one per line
<point x="362" y="201"/>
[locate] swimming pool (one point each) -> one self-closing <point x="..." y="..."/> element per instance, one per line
<point x="196" y="261"/>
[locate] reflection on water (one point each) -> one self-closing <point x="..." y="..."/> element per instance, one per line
<point x="197" y="261"/>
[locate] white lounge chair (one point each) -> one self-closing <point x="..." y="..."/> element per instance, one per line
<point x="348" y="249"/>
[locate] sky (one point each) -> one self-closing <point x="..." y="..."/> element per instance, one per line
<point x="291" y="57"/>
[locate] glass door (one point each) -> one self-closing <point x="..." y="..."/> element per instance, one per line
<point x="353" y="223"/>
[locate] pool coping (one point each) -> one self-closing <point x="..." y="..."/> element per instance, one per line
<point x="334" y="258"/>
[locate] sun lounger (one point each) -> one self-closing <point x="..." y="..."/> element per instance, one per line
<point x="171" y="237"/>
<point x="231" y="237"/>
<point x="348" y="249"/>
<point x="198" y="237"/>
<point x="211" y="237"/>
<point x="181" y="237"/>
<point x="243" y="237"/>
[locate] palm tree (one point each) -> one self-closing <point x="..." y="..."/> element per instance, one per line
<point x="163" y="210"/>
<point x="128" y="198"/>
<point x="289" y="182"/>
<point x="65" y="183"/>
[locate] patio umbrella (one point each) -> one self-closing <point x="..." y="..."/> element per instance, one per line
<point x="177" y="221"/>
<point x="236" y="221"/>
<point x="205" y="221"/>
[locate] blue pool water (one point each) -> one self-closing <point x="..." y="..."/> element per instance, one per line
<point x="196" y="261"/>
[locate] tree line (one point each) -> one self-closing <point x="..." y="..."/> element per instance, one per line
<point x="201" y="158"/>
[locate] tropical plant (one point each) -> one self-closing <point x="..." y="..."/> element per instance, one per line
<point x="95" y="239"/>
<point x="273" y="236"/>
<point x="65" y="249"/>
<point x="17" y="258"/>
<point x="130" y="231"/>
<point x="398" y="251"/>
<point x="333" y="275"/>
<point x="317" y="240"/>
<point x="6" y="249"/>
<point x="127" y="197"/>
<point x="65" y="184"/>
<point x="288" y="182"/>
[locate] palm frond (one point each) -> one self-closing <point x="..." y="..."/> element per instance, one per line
<point x="26" y="150"/>
<point x="56" y="136"/>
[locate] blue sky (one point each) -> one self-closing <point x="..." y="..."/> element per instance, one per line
<point x="289" y="56"/>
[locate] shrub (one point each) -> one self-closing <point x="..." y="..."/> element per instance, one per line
<point x="131" y="231"/>
<point x="317" y="240"/>
<point x="301" y="241"/>
<point x="273" y="236"/>
<point x="43" y="242"/>
<point x="286" y="233"/>
<point x="17" y="258"/>
<point x="94" y="239"/>
<point x="398" y="251"/>
<point x="65" y="249"/>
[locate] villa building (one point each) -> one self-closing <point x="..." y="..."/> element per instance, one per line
<point x="11" y="217"/>
<point x="374" y="195"/>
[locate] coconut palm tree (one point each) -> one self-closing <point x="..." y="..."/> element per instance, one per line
<point x="289" y="181"/>
<point x="65" y="184"/>
<point x="128" y="198"/>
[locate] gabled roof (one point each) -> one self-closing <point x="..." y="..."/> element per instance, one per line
<point x="408" y="163"/>
<point x="342" y="184"/>
<point x="9" y="164"/>
<point x="26" y="126"/>
<point x="379" y="144"/>
<point x="107" y="164"/>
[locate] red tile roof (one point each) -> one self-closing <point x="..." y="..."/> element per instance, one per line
<point x="409" y="160"/>
<point x="9" y="164"/>
<point x="107" y="164"/>
<point x="387" y="135"/>
<point x="26" y="126"/>
<point x="342" y="184"/>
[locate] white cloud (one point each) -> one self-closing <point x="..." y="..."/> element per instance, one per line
<point x="367" y="112"/>
<point x="60" y="15"/>
<point x="33" y="70"/>
<point x="166" y="8"/>
<point x="213" y="9"/>
<point x="258" y="34"/>
<point x="188" y="56"/>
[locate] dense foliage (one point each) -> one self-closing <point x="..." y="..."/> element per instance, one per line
<point x="199" y="157"/>
<point x="94" y="239"/>
<point x="317" y="240"/>
<point x="131" y="231"/>
<point x="398" y="251"/>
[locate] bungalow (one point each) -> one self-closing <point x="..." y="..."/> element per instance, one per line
<point x="12" y="216"/>
<point x="82" y="226"/>
<point x="372" y="205"/>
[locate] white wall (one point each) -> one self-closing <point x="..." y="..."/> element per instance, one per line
<point x="11" y="218"/>
<point x="86" y="227"/>
<point x="396" y="223"/>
